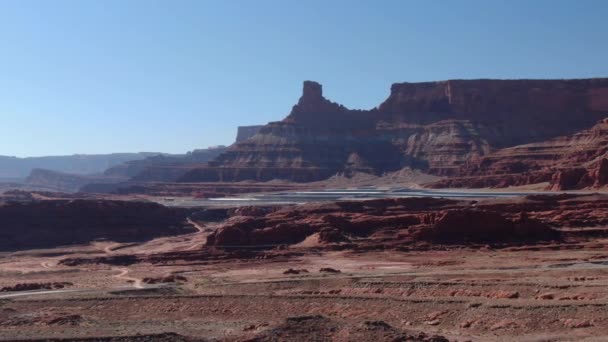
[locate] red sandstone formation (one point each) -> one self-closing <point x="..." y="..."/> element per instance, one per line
<point x="295" y="271"/>
<point x="60" y="222"/>
<point x="394" y="222"/>
<point x="434" y="126"/>
<point x="401" y="224"/>
<point x="568" y="162"/>
<point x="472" y="225"/>
<point x="329" y="270"/>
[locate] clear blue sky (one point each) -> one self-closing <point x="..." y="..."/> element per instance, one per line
<point x="170" y="76"/>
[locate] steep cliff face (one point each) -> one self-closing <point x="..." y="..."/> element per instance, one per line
<point x="593" y="176"/>
<point x="438" y="148"/>
<point x="316" y="139"/>
<point x="438" y="127"/>
<point x="568" y="162"/>
<point x="517" y="111"/>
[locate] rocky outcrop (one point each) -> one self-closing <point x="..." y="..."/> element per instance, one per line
<point x="599" y="173"/>
<point x="289" y="149"/>
<point x="164" y="280"/>
<point x="461" y="226"/>
<point x="533" y="222"/>
<point x="438" y="127"/>
<point x="245" y="132"/>
<point x="51" y="223"/>
<point x="569" y="162"/>
<point x="406" y="221"/>
<point x="493" y="180"/>
<point x="594" y="176"/>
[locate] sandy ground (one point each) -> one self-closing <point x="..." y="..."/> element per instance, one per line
<point x="464" y="294"/>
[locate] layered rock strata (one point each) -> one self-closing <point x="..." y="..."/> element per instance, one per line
<point x="568" y="162"/>
<point x="403" y="222"/>
<point x="437" y="127"/>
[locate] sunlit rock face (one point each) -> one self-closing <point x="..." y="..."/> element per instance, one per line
<point x="438" y="127"/>
<point x="575" y="161"/>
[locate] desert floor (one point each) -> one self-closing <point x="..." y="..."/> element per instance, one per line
<point x="547" y="293"/>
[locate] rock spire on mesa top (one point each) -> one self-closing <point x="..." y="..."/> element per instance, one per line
<point x="311" y="91"/>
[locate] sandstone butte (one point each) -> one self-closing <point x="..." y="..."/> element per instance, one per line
<point x="394" y="223"/>
<point x="479" y="133"/>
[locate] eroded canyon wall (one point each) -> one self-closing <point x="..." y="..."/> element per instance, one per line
<point x="435" y="126"/>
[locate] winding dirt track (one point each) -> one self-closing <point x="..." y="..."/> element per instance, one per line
<point x="47" y="264"/>
<point x="137" y="283"/>
<point x="109" y="249"/>
<point x="201" y="230"/>
<point x="196" y="225"/>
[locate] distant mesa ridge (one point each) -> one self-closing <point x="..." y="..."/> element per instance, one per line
<point x="438" y="127"/>
<point x="477" y="133"/>
<point x="246" y="132"/>
<point x="83" y="164"/>
<point x="155" y="168"/>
